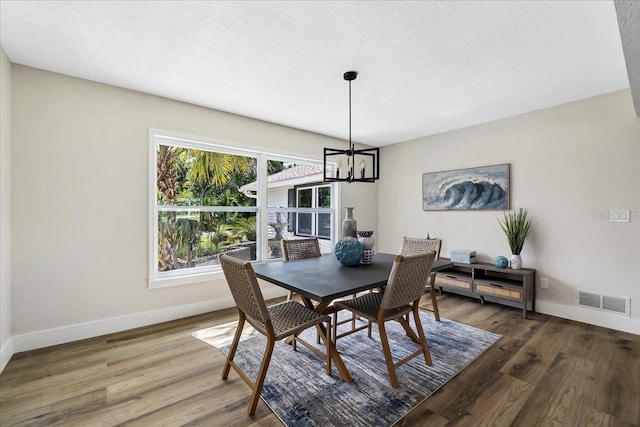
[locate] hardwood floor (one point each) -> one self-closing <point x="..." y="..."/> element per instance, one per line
<point x="544" y="371"/>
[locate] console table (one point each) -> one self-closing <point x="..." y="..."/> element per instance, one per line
<point x="487" y="282"/>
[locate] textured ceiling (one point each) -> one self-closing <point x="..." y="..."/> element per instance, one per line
<point x="424" y="67"/>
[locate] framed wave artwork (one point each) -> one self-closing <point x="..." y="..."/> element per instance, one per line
<point x="481" y="188"/>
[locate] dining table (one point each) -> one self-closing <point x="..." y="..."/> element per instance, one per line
<point x="321" y="280"/>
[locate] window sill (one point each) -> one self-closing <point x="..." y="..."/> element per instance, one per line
<point x="190" y="279"/>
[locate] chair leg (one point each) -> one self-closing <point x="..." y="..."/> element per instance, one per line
<point x="294" y="347"/>
<point x="234" y="345"/>
<point x="353" y="316"/>
<point x="387" y="355"/>
<point x="434" y="300"/>
<point x="262" y="373"/>
<point x="421" y="336"/>
<point x="318" y="336"/>
<point x="335" y="327"/>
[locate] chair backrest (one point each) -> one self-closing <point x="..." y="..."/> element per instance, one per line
<point x="406" y="281"/>
<point x="418" y="245"/>
<point x="245" y="290"/>
<point x="300" y="248"/>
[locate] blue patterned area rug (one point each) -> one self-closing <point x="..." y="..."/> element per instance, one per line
<point x="301" y="394"/>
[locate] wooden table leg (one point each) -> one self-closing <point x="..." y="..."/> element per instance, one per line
<point x="335" y="356"/>
<point x="408" y="329"/>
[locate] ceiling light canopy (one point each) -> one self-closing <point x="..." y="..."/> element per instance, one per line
<point x="351" y="165"/>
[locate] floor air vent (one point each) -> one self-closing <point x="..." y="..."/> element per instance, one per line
<point x="616" y="304"/>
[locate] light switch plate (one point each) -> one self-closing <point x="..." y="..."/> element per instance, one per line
<point x="619" y="215"/>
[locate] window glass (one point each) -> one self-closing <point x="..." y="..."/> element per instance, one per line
<point x="324" y="225"/>
<point x="304" y="221"/>
<point x="201" y="212"/>
<point x="206" y="202"/>
<point x="305" y="225"/>
<point x="324" y="197"/>
<point x="305" y="198"/>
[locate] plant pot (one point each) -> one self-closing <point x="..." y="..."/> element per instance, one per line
<point x="516" y="262"/>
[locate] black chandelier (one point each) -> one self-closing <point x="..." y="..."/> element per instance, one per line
<point x="361" y="165"/>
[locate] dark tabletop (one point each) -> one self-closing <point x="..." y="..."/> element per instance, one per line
<point x="324" y="279"/>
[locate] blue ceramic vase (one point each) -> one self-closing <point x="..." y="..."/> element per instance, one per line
<point x="349" y="251"/>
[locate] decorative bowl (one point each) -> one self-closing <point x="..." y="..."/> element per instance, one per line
<point x="367" y="233"/>
<point x="349" y="251"/>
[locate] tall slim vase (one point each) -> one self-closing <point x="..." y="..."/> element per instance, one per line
<point x="349" y="225"/>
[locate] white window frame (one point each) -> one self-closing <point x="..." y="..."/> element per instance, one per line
<point x="312" y="216"/>
<point x="315" y="189"/>
<point x="333" y="216"/>
<point x="157" y="137"/>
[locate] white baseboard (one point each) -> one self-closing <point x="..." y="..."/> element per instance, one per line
<point x="5" y="353"/>
<point x="65" y="334"/>
<point x="592" y="317"/>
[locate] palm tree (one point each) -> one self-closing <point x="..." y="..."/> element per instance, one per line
<point x="189" y="236"/>
<point x="215" y="171"/>
<point x="167" y="193"/>
<point x="211" y="169"/>
<point x="205" y="171"/>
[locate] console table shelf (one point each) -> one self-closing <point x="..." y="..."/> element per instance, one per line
<point x="487" y="282"/>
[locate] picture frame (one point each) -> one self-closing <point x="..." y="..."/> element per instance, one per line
<point x="477" y="188"/>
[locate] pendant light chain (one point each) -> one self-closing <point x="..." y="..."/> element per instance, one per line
<point x="350" y="155"/>
<point x="350" y="143"/>
<point x="369" y="157"/>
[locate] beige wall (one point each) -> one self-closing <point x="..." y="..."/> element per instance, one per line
<point x="5" y="209"/>
<point x="79" y="158"/>
<point x="80" y="200"/>
<point x="568" y="164"/>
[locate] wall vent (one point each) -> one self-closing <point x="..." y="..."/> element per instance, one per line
<point x="612" y="303"/>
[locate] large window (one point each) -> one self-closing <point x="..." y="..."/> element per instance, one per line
<point x="209" y="199"/>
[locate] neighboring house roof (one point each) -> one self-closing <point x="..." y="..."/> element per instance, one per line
<point x="295" y="175"/>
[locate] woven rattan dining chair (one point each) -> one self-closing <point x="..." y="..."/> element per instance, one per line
<point x="275" y="322"/>
<point x="401" y="296"/>
<point x="417" y="245"/>
<point x="299" y="249"/>
<point x="293" y="249"/>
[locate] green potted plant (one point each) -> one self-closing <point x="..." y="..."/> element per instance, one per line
<point x="517" y="226"/>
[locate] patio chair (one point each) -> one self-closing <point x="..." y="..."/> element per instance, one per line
<point x="401" y="296"/>
<point x="275" y="322"/>
<point x="417" y="245"/>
